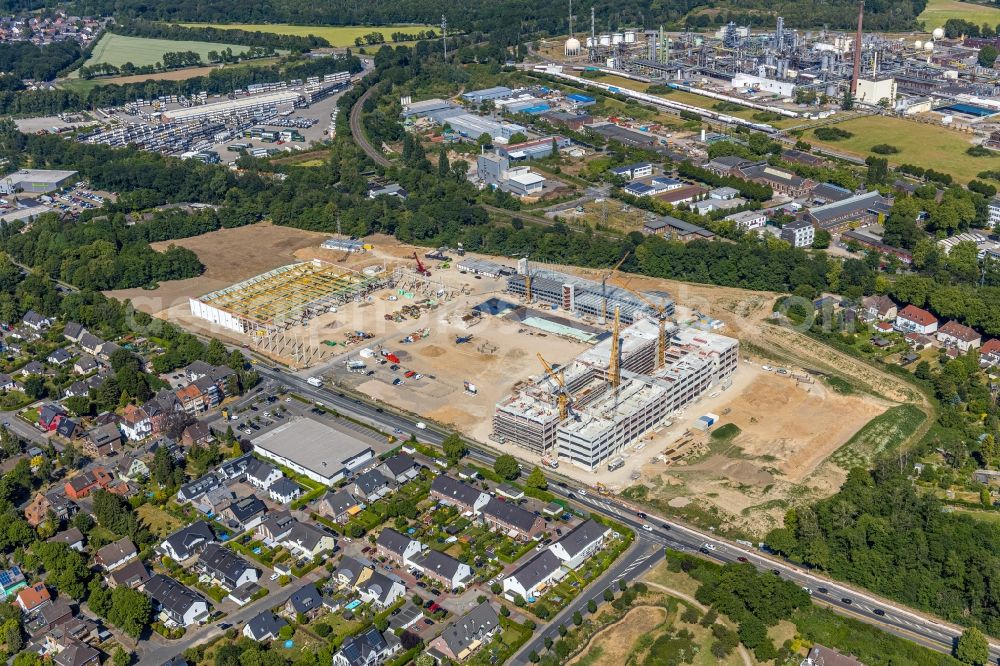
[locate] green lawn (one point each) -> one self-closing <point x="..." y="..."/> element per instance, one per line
<point x="939" y="11"/>
<point x="880" y="435"/>
<point x="159" y="521"/>
<point x="928" y="146"/>
<point x="119" y="49"/>
<point x="337" y="35"/>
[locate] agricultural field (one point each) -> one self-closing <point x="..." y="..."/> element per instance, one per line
<point x="939" y="11"/>
<point x="925" y="145"/>
<point x="118" y="49"/>
<point x="337" y="35"/>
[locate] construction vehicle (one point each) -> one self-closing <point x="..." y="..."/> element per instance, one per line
<point x="470" y="388"/>
<point x="551" y="463"/>
<point x="603" y="489"/>
<point x="421" y="269"/>
<point x="462" y="339"/>
<point x="562" y="396"/>
<point x="617" y="463"/>
<point x="315" y="381"/>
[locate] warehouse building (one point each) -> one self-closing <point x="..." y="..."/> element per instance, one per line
<point x="480" y="96"/>
<point x="604" y="420"/>
<point x="535" y="149"/>
<point x="36" y="181"/>
<point x="864" y="208"/>
<point x="241" y="106"/>
<point x="324" y="453"/>
<point x="472" y="126"/>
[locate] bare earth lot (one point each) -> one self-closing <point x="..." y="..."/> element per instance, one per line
<point x="788" y="429"/>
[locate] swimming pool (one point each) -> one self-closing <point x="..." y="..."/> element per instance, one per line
<point x="354" y="604"/>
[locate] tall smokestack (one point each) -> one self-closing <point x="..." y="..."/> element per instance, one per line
<point x="857" y="49"/>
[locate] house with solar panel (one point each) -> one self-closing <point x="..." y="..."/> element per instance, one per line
<point x="11" y="580"/>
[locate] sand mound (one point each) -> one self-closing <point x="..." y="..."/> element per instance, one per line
<point x="747" y="473"/>
<point x="432" y="351"/>
<point x="679" y="502"/>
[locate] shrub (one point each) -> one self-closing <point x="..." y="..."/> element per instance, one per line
<point x="832" y="134"/>
<point x="980" y="151"/>
<point x="322" y="630"/>
<point x="884" y="149"/>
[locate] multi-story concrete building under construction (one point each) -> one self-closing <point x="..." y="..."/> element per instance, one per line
<point x="603" y="420"/>
<point x="585" y="298"/>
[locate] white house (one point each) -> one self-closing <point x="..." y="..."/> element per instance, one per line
<point x="531" y="578"/>
<point x="180" y="605"/>
<point x="580" y="543"/>
<point x="379" y="589"/>
<point x="953" y="334"/>
<point x="912" y="319"/>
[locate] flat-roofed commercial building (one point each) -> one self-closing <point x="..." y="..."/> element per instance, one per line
<point x="36" y="181"/>
<point x="323" y="453"/>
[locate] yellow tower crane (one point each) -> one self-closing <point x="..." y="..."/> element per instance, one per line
<point x="614" y="370"/>
<point x="562" y="396"/>
<point x="604" y="291"/>
<point x="662" y="319"/>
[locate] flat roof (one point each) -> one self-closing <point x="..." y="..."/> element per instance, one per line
<point x="39" y="175"/>
<point x="315" y="446"/>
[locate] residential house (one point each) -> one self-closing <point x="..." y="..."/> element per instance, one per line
<point x="116" y="554"/>
<point x="445" y="569"/>
<point x="72" y="537"/>
<point x="912" y="319"/>
<point x="136" y="423"/>
<point x="380" y="589"/>
<point x="305" y="600"/>
<point x="73" y="330"/>
<point x="878" y="308"/>
<point x="372" y="486"/>
<point x="49" y="417"/>
<point x="7" y="383"/>
<point x="369" y="648"/>
<point x="451" y="491"/>
<point x="106" y="350"/>
<point x="87" y="482"/>
<point x="197" y="433"/>
<point x="226" y="568"/>
<point x="400" y="468"/>
<point x="989" y="353"/>
<point x="68" y="428"/>
<point x="180" y="605"/>
<point x="580" y="543"/>
<point x="59" y="357"/>
<point x="244" y="514"/>
<point x="194" y="489"/>
<point x="245" y="594"/>
<point x="188" y="541"/>
<point x="960" y="336"/>
<point x="530" y="579"/>
<point x="191" y="399"/>
<point x="284" y="490"/>
<point x="349" y="571"/>
<point x="468" y="633"/>
<point x="49" y="617"/>
<point x="35" y="321"/>
<point x="264" y="627"/>
<point x="338" y="506"/>
<point x="85" y="365"/>
<point x="215" y="501"/>
<point x="38" y="509"/>
<point x="89" y="343"/>
<point x="76" y="653"/>
<point x="306" y="540"/>
<point x="11" y="580"/>
<point x="161" y="408"/>
<point x="398" y="547"/>
<point x="132" y="468"/>
<point x="33" y="597"/>
<point x="261" y="474"/>
<point x="511" y="519"/>
<point x="234" y="469"/>
<point x="275" y="527"/>
<point x="133" y="574"/>
<point x="103" y="441"/>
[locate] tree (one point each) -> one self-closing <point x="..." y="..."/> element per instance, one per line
<point x="120" y="657"/>
<point x="577" y="618"/>
<point x="591" y="606"/>
<point x="537" y="479"/>
<point x="984" y="497"/>
<point x="972" y="647"/>
<point x="454" y="448"/>
<point x="506" y="466"/>
<point x="847" y="101"/>
<point x="821" y="240"/>
<point x="987" y="55"/>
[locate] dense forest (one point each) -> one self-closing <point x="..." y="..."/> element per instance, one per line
<point x="41" y="63"/>
<point x="511" y="21"/>
<point x="877" y="532"/>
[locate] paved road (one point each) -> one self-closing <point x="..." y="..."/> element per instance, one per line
<point x="161" y="651"/>
<point x="641" y="556"/>
<point x="21" y="429"/>
<point x="896" y="618"/>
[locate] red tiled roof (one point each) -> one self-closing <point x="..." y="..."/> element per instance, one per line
<point x="34" y="596"/>
<point x="917" y="315"/>
<point x="959" y="331"/>
<point x="992" y="346"/>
